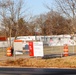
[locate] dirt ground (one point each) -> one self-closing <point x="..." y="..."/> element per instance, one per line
<point x="22" y="61"/>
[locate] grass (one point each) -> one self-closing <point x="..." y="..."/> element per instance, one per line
<point x="2" y="52"/>
<point x="58" y="49"/>
<point x="64" y="62"/>
<point x="47" y="50"/>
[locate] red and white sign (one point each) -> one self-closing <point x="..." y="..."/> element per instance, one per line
<point x="31" y="50"/>
<point x="36" y="48"/>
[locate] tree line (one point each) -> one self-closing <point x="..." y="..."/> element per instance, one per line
<point x="55" y="22"/>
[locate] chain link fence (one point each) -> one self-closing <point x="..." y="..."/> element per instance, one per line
<point x="55" y="45"/>
<point x="52" y="46"/>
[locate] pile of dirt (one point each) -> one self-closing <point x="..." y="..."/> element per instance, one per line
<point x="64" y="62"/>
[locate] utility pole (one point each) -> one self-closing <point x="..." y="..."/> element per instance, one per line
<point x="35" y="33"/>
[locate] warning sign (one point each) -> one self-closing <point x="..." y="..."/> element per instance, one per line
<point x="36" y="48"/>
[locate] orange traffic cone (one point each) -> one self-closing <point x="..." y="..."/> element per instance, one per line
<point x="9" y="53"/>
<point x="65" y="50"/>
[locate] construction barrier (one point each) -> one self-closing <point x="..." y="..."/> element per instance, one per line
<point x="65" y="50"/>
<point x="9" y="51"/>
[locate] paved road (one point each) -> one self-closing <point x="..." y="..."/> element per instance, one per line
<point x="36" y="71"/>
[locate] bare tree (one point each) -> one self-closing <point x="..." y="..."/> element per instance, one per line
<point x="11" y="12"/>
<point x="40" y="24"/>
<point x="68" y="9"/>
<point x="56" y="24"/>
<point x="53" y="23"/>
